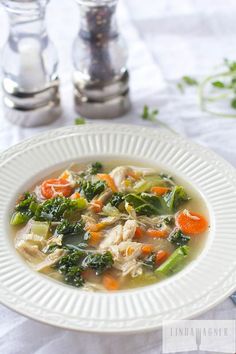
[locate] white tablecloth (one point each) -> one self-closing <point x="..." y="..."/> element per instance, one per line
<point x="167" y="39"/>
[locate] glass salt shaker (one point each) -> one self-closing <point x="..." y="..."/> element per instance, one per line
<point x="29" y="65"/>
<point x="101" y="80"/>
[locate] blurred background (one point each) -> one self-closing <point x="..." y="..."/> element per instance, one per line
<point x="166" y="39"/>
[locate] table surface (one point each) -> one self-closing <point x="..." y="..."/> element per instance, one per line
<point x="166" y="39"/>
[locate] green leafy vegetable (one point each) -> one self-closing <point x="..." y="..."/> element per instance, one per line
<point x="98" y="262"/>
<point x="175" y="198"/>
<point x="149" y="114"/>
<point x="72" y="233"/>
<point x="95" y="168"/>
<point x="80" y="121"/>
<point x="150" y="261"/>
<point x="147" y="204"/>
<point x="178" y="238"/>
<point x="90" y="189"/>
<point x="69" y="266"/>
<point x="116" y="199"/>
<point x="174" y="263"/>
<point x="55" y="209"/>
<point x="25" y="209"/>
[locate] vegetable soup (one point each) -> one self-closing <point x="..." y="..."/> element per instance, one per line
<point x="109" y="227"/>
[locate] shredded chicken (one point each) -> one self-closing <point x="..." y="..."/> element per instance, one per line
<point x="119" y="175"/>
<point x="31" y="239"/>
<point x="105" y="196"/>
<point x="129" y="229"/>
<point x="30" y="252"/>
<point x="132" y="267"/>
<point x="51" y="259"/>
<point x="88" y="286"/>
<point x="112" y="237"/>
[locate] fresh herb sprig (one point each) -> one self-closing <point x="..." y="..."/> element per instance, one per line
<point x="224" y="88"/>
<point x="79" y="121"/>
<point x="149" y="114"/>
<point x="186" y="81"/>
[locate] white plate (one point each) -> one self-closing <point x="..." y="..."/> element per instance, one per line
<point x="200" y="286"/>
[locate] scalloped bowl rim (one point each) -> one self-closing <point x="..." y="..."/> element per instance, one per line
<point x="48" y="301"/>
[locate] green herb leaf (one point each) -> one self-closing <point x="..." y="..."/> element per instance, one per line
<point x="80" y="121"/>
<point x="149" y="114"/>
<point x="190" y="81"/>
<point x="233" y="103"/>
<point x="218" y="84"/>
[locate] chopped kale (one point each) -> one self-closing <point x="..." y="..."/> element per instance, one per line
<point x="178" y="238"/>
<point x="98" y="262"/>
<point x="55" y="209"/>
<point x="67" y="228"/>
<point x="72" y="233"/>
<point x="95" y="168"/>
<point x="116" y="199"/>
<point x="69" y="266"/>
<point x="150" y="261"/>
<point x="90" y="189"/>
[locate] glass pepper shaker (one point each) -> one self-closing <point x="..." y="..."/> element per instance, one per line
<point x="101" y="80"/>
<point x="29" y="65"/>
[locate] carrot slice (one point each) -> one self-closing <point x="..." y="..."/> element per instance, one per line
<point x="146" y="249"/>
<point x="75" y="195"/>
<point x="156" y="233"/>
<point x="191" y="223"/>
<point x="109" y="180"/>
<point x="96" y="206"/>
<point x="56" y="186"/>
<point x="95" y="238"/>
<point x="138" y="232"/>
<point x="161" y="256"/>
<point x="96" y="227"/>
<point x="110" y="283"/>
<point x="160" y="190"/>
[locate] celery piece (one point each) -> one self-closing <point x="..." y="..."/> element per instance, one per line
<point x="110" y="210"/>
<point x="147" y="183"/>
<point x="174" y="262"/>
<point x="18" y="218"/>
<point x="81" y="203"/>
<point x="40" y="228"/>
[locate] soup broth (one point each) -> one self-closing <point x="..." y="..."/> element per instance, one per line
<point x="110" y="226"/>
